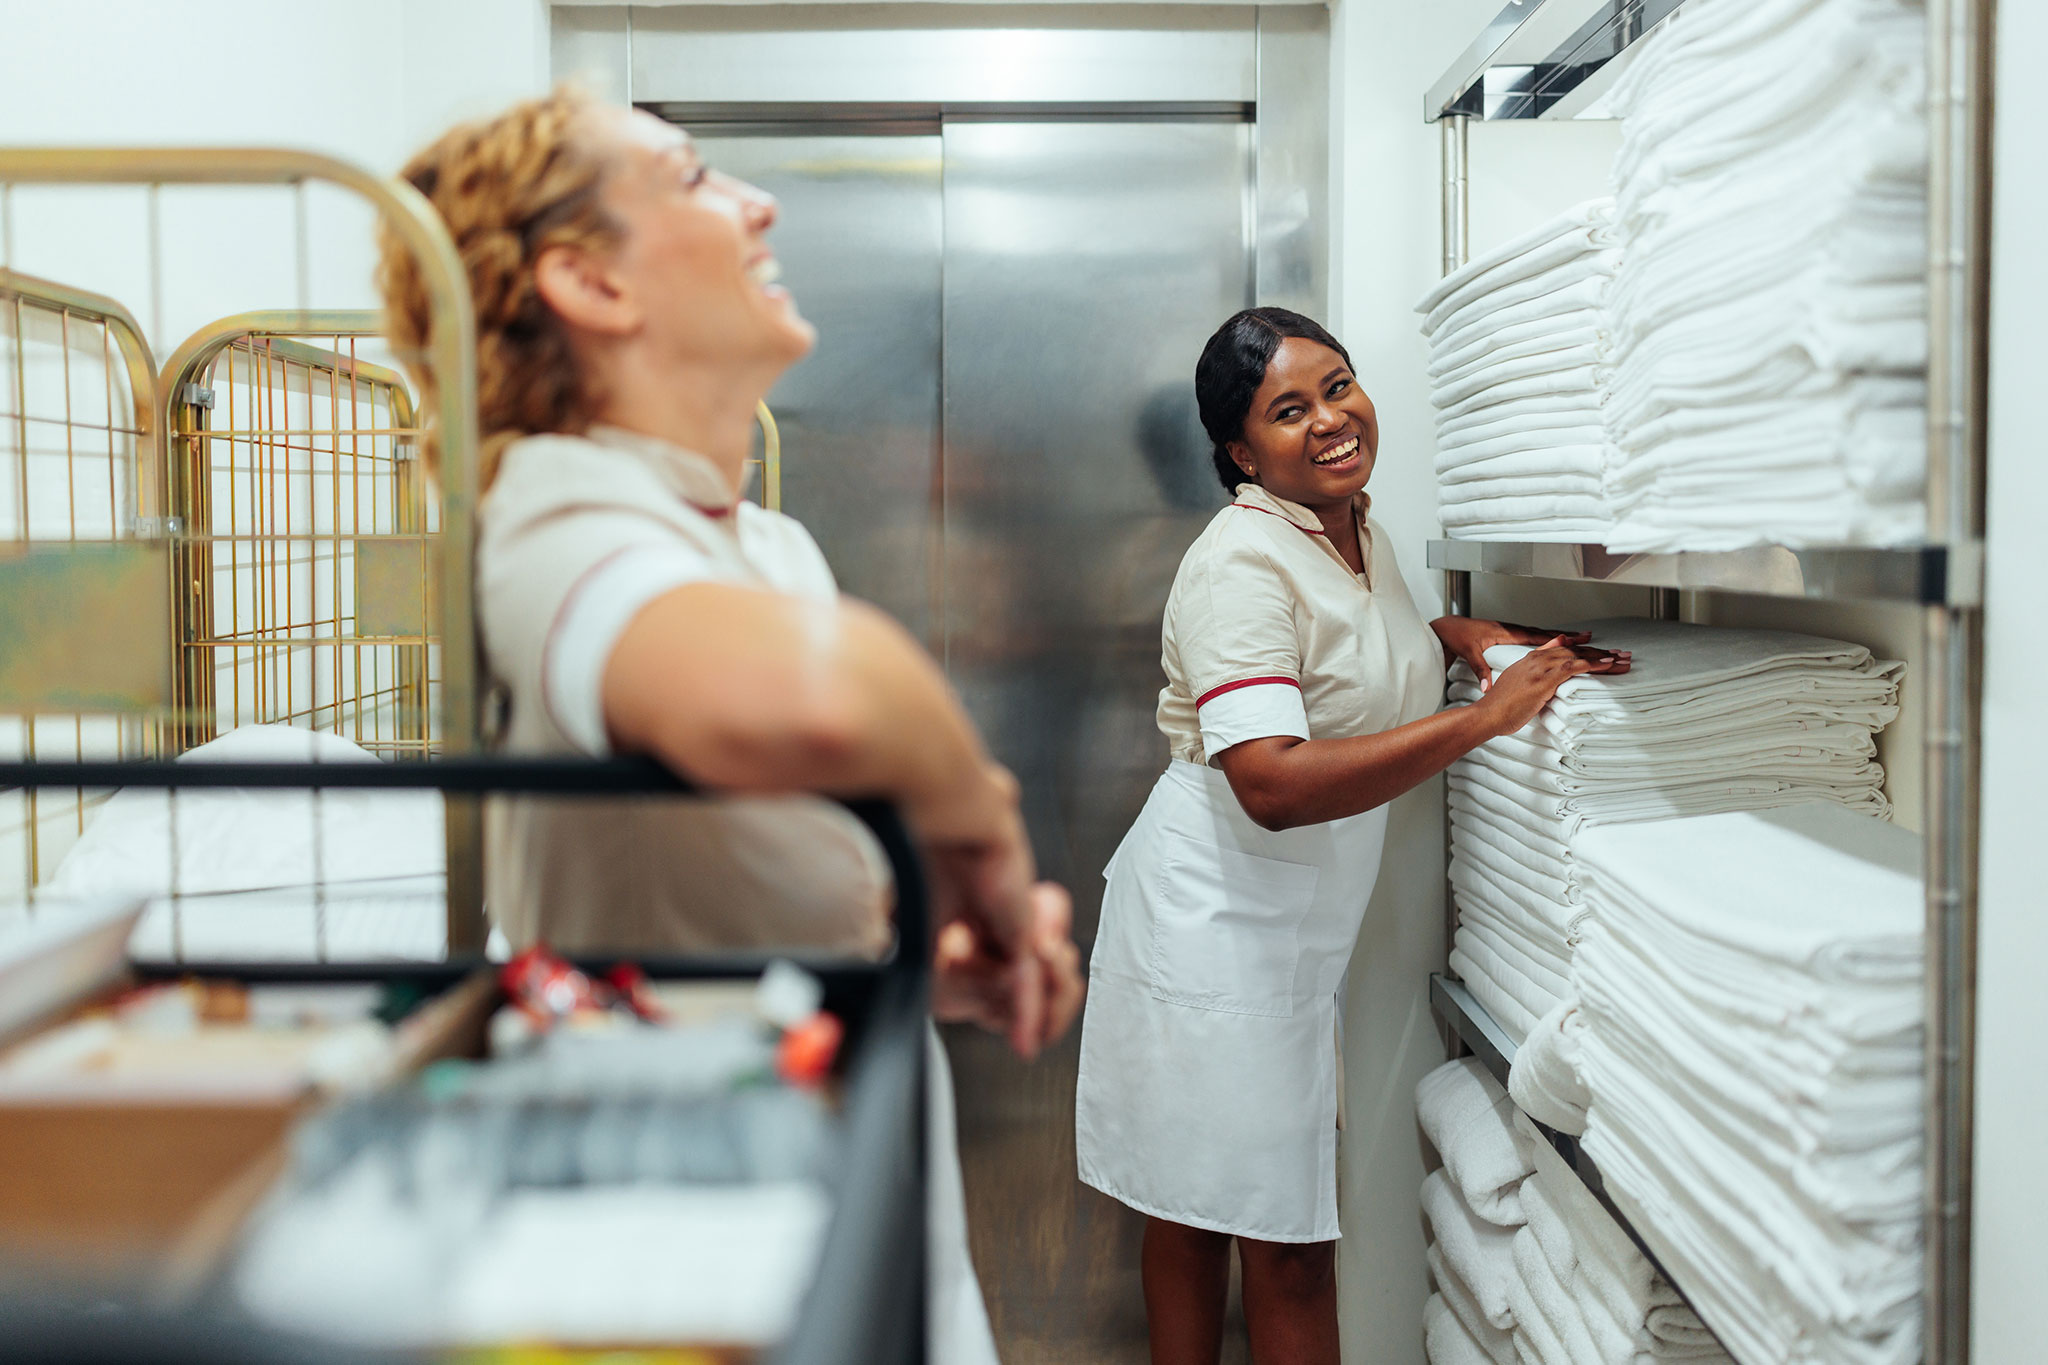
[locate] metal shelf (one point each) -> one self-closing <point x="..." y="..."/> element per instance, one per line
<point x="1492" y="1045"/>
<point x="1920" y="575"/>
<point x="1544" y="59"/>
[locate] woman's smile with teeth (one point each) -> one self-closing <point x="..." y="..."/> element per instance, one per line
<point x="1336" y="453"/>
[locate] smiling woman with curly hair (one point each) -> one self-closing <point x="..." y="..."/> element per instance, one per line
<point x="631" y="601"/>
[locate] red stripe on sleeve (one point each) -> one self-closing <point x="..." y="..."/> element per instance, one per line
<point x="1216" y="692"/>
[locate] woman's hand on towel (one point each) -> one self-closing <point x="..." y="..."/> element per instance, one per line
<point x="1468" y="638"/>
<point x="1523" y="689"/>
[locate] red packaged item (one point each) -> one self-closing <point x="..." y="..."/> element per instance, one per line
<point x="804" y="1056"/>
<point x="631" y="984"/>
<point x="547" y="989"/>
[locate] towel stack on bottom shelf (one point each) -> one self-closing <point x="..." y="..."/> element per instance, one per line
<point x="1529" y="1269"/>
<point x="1583" y="1293"/>
<point x="1752" y="986"/>
<point x="1516" y="354"/>
<point x="1708" y="720"/>
<point x="1769" y="317"/>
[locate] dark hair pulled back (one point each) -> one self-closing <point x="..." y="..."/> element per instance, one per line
<point x="1232" y="367"/>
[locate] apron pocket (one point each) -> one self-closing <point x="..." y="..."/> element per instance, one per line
<point x="1226" y="926"/>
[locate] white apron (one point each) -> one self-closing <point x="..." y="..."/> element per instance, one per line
<point x="1208" y="1079"/>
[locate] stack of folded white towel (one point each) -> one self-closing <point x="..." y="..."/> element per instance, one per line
<point x="1768" y="319"/>
<point x="1707" y="720"/>
<point x="1517" y="353"/>
<point x="1529" y="1269"/>
<point x="1752" y="989"/>
<point x="1582" y="1293"/>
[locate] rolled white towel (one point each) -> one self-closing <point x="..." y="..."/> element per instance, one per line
<point x="1553" y="1303"/>
<point x="1469" y="1120"/>
<point x="1458" y="1295"/>
<point x="1477" y="1250"/>
<point x="1446" y="1341"/>
<point x="1610" y="1266"/>
<point x="1547" y="1225"/>
<point x="1544" y="1080"/>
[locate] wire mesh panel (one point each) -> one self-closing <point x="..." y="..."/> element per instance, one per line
<point x="306" y="578"/>
<point x="77" y="396"/>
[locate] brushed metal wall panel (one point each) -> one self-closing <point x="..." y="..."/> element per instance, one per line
<point x="860" y="240"/>
<point x="1085" y="266"/>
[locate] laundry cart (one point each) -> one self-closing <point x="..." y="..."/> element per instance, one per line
<point x="242" y="776"/>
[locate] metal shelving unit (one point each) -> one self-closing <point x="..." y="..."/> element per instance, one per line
<point x="1552" y="59"/>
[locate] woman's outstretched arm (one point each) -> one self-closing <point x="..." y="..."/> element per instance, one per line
<point x="1283" y="782"/>
<point x="747" y="689"/>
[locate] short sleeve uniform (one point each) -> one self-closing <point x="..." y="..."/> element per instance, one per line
<point x="1207" y="1092"/>
<point x="577" y="535"/>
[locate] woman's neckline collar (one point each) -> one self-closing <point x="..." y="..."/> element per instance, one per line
<point x="694" y="475"/>
<point x="1253" y="495"/>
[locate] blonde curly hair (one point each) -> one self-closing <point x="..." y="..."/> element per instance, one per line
<point x="508" y="189"/>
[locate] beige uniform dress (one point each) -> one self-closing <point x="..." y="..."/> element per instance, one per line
<point x="1208" y="1088"/>
<point x="577" y="534"/>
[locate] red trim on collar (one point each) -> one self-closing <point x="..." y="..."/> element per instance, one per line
<point x="1318" y="531"/>
<point x="713" y="511"/>
<point x="1216" y="692"/>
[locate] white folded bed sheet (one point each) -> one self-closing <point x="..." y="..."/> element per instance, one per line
<point x="1519" y="348"/>
<point x="232" y="873"/>
<point x="1773" y="238"/>
<point x="1753" y="1051"/>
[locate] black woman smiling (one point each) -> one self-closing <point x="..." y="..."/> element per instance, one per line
<point x="1302" y="695"/>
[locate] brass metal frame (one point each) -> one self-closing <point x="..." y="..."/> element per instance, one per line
<point x="111" y="656"/>
<point x="452" y="347"/>
<point x="190" y="403"/>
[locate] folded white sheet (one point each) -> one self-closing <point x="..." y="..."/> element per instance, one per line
<point x="1483" y="977"/>
<point x="1581" y="229"/>
<point x="1466" y="1116"/>
<point x="1773" y="233"/>
<point x="1753" y="1054"/>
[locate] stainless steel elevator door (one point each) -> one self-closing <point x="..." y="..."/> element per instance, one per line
<point x="860" y="238"/>
<point x="1086" y="263"/>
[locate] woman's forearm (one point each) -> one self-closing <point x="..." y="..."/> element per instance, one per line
<point x="1283" y="782"/>
<point x="751" y="690"/>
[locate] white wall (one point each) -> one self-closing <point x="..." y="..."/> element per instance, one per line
<point x="2012" y="1107"/>
<point x="367" y="82"/>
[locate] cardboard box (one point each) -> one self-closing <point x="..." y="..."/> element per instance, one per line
<point x="152" y="1190"/>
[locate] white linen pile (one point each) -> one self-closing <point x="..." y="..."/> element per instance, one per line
<point x="1527" y="1275"/>
<point x="260" y="875"/>
<point x="1472" y="1205"/>
<point x="1708" y="719"/>
<point x="1753" y="994"/>
<point x="1517" y="353"/>
<point x="1768" y="319"/>
<point x="1583" y="1294"/>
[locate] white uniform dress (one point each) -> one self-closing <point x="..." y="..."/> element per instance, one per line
<point x="1208" y="1077"/>
<point x="577" y="534"/>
